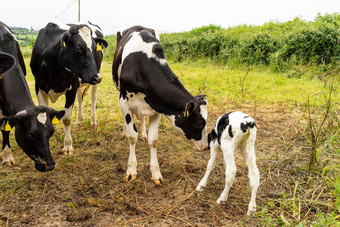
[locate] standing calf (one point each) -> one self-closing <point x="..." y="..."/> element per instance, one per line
<point x="231" y="131"/>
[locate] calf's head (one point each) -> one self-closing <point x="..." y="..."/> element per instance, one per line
<point x="33" y="129"/>
<point x="78" y="53"/>
<point x="193" y="123"/>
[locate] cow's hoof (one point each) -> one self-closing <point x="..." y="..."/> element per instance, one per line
<point x="9" y="163"/>
<point x="67" y="151"/>
<point x="94" y="125"/>
<point x="220" y="201"/>
<point x="130" y="177"/>
<point x="78" y="124"/>
<point x="157" y="182"/>
<point x="199" y="188"/>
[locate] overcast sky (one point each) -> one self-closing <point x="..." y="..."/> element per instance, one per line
<point x="162" y="15"/>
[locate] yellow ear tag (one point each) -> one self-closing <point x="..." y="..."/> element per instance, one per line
<point x="186" y="111"/>
<point x="99" y="47"/>
<point x="64" y="44"/>
<point x="8" y="127"/>
<point x="0" y="77"/>
<point x="55" y="120"/>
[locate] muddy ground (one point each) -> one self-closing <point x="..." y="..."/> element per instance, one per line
<point x="88" y="188"/>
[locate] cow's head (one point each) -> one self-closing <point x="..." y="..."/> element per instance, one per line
<point x="33" y="129"/>
<point x="78" y="53"/>
<point x="6" y="62"/>
<point x="193" y="122"/>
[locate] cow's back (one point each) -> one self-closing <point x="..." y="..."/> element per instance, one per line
<point x="48" y="35"/>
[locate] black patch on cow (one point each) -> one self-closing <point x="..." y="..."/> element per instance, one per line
<point x="212" y="136"/>
<point x="127" y="118"/>
<point x="230" y="131"/>
<point x="246" y="116"/>
<point x="244" y="127"/>
<point x="157" y="49"/>
<point x="134" y="127"/>
<point x="147" y="36"/>
<point x="221" y="125"/>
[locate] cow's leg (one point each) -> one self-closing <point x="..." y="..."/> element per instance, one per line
<point x="70" y="98"/>
<point x="156" y="175"/>
<point x="210" y="167"/>
<point x="228" y="149"/>
<point x="68" y="147"/>
<point x="142" y="128"/>
<point x="6" y="153"/>
<point x="79" y="119"/>
<point x="130" y="132"/>
<point x="94" y="95"/>
<point x="248" y="152"/>
<point x="42" y="98"/>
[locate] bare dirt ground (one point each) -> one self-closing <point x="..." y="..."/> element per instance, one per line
<point x="88" y="188"/>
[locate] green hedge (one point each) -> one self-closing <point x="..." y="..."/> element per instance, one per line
<point x="272" y="44"/>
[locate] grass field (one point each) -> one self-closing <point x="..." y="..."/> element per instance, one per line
<point x="88" y="188"/>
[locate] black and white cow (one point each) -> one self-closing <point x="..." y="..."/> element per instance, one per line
<point x="33" y="124"/>
<point x="148" y="87"/>
<point x="82" y="90"/>
<point x="6" y="62"/>
<point x="61" y="55"/>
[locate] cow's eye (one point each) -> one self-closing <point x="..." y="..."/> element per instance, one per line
<point x="31" y="136"/>
<point x="79" y="50"/>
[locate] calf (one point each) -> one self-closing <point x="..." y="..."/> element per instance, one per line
<point x="148" y="87"/>
<point x="81" y="92"/>
<point x="33" y="124"/>
<point x="61" y="55"/>
<point x="6" y="62"/>
<point x="231" y="131"/>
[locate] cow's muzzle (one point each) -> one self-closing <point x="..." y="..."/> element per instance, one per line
<point x="97" y="79"/>
<point x="42" y="167"/>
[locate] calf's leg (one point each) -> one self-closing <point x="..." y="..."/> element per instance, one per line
<point x="253" y="171"/>
<point x="228" y="149"/>
<point x="210" y="167"/>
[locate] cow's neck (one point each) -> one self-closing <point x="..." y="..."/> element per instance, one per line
<point x="166" y="92"/>
<point x="15" y="94"/>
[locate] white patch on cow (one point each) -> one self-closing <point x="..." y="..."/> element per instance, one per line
<point x="42" y="118"/>
<point x="138" y="105"/>
<point x="51" y="94"/>
<point x="58" y="23"/>
<point x="85" y="34"/>
<point x="6" y="155"/>
<point x="136" y="44"/>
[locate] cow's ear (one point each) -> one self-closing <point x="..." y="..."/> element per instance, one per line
<point x="6" y="62"/>
<point x="119" y="37"/>
<point x="189" y="109"/>
<point x="65" y="41"/>
<point x="101" y="42"/>
<point x="56" y="116"/>
<point x="7" y="123"/>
